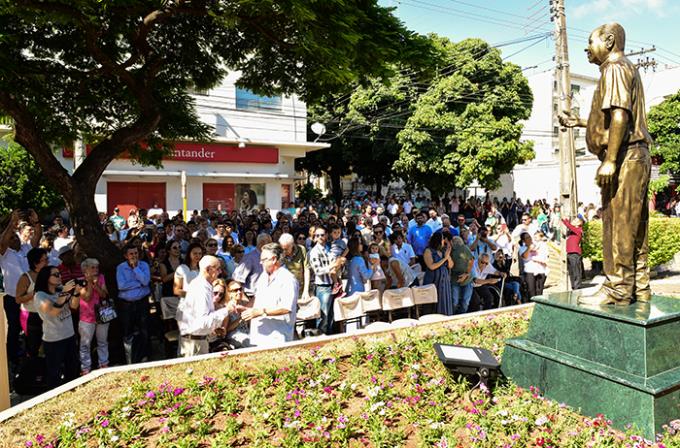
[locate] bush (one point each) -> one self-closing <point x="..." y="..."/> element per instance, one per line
<point x="664" y="240"/>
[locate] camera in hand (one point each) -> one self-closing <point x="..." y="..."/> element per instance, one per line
<point x="81" y="282"/>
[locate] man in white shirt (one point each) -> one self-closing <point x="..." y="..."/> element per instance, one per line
<point x="272" y="318"/>
<point x="435" y="222"/>
<point x="526" y="226"/>
<point x="196" y="314"/>
<point x="401" y="250"/>
<point x="13" y="265"/>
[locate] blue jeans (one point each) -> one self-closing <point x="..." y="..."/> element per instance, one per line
<point x="61" y="357"/>
<point x="515" y="288"/>
<point x="325" y="322"/>
<point x="461" y="297"/>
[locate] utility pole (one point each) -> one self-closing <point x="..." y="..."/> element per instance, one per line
<point x="568" y="192"/>
<point x="646" y="63"/>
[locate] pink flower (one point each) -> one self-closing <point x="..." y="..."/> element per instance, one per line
<point x="40" y="438"/>
<point x="105" y="423"/>
<point x="178" y="391"/>
<point x="328" y="389"/>
<point x="151" y="394"/>
<point x="28" y="444"/>
<point x="165" y="429"/>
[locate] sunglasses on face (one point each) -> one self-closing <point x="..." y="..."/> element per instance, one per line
<point x="56" y="274"/>
<point x="236" y="290"/>
<point x="319" y="234"/>
<point x="212" y="245"/>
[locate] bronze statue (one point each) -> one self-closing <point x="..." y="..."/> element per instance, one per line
<point x="616" y="132"/>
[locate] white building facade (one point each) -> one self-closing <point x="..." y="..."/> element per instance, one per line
<point x="249" y="165"/>
<point x="540" y="178"/>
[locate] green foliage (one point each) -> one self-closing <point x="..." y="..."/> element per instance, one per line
<point x="465" y="127"/>
<point x="308" y="193"/>
<point x="658" y="185"/>
<point x="663" y="122"/>
<point x="22" y="183"/>
<point x="664" y="240"/>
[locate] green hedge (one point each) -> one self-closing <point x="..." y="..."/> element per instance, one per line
<point x="664" y="240"/>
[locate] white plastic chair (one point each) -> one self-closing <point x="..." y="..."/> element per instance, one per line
<point x="377" y="326"/>
<point x="401" y="323"/>
<point x="432" y="318"/>
<point x="370" y="301"/>
<point x="348" y="309"/>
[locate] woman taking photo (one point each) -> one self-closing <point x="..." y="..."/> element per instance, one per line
<point x="54" y="303"/>
<point x="93" y="294"/>
<point x="37" y="259"/>
<point x="188" y="271"/>
<point x="438" y="261"/>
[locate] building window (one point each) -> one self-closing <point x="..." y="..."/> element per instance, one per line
<point x="556" y="131"/>
<point x="247" y="100"/>
<point x="575" y="88"/>
<point x="554" y="107"/>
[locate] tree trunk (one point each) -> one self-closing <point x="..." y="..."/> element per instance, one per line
<point x="336" y="188"/>
<point x="378" y="186"/>
<point x="89" y="232"/>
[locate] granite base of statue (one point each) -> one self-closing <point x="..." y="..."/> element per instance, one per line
<point x="620" y="361"/>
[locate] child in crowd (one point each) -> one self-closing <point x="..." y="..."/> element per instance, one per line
<point x="338" y="249"/>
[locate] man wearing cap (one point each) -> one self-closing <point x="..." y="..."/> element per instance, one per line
<point x="117" y="220"/>
<point x="196" y="314"/>
<point x="133" y="277"/>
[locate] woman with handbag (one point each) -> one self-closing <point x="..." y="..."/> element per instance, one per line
<point x="96" y="311"/>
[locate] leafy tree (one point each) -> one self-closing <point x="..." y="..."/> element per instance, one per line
<point x="663" y="121"/>
<point x="466" y="125"/>
<point x="116" y="73"/>
<point x="22" y="183"/>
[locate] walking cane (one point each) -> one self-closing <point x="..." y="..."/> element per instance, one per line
<point x="500" y="300"/>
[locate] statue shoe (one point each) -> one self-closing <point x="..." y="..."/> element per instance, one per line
<point x="643" y="296"/>
<point x="601" y="298"/>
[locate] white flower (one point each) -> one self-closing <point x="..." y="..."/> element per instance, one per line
<point x="376" y="406"/>
<point x="504" y="422"/>
<point x="373" y="391"/>
<point x="114" y="438"/>
<point x="415" y="366"/>
<point x="436" y="425"/>
<point x="342" y="386"/>
<point x="502" y="413"/>
<point x="542" y="420"/>
<point x="266" y="415"/>
<point x="189" y="371"/>
<point x="353" y="386"/>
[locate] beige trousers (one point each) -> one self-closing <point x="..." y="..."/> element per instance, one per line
<point x="193" y="347"/>
<point x="625" y="224"/>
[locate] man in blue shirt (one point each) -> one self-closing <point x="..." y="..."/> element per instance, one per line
<point x="133" y="277"/>
<point x="419" y="236"/>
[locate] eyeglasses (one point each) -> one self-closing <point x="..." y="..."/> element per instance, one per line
<point x="263" y="260"/>
<point x="56" y="274"/>
<point x="482" y="263"/>
<point x="212" y="245"/>
<point x="378" y="232"/>
<point x="236" y="290"/>
<point x="319" y="234"/>
<point x="175" y="248"/>
<point x="218" y="293"/>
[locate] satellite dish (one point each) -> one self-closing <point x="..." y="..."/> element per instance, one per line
<point x="318" y="128"/>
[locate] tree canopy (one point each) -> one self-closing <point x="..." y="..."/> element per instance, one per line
<point x="22" y="183"/>
<point x="465" y="126"/>
<point x="663" y="120"/>
<point x="449" y="119"/>
<point x="116" y="73"/>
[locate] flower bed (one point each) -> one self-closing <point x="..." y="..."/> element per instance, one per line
<point x="356" y="392"/>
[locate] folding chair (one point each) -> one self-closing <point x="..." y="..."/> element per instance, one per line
<point x="395" y="299"/>
<point x="423" y="295"/>
<point x="309" y="310"/>
<point x="348" y="309"/>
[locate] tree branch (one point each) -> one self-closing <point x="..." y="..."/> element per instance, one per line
<point x="29" y="135"/>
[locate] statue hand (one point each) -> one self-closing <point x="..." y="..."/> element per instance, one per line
<point x="605" y="173"/>
<point x="567" y="119"/>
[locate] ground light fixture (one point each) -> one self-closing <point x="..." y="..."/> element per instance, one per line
<point x="469" y="362"/>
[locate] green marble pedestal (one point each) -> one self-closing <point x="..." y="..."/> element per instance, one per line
<point x="623" y="362"/>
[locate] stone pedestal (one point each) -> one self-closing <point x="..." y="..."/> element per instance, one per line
<point x="623" y="362"/>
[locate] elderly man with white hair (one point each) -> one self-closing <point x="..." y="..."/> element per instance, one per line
<point x="295" y="260"/>
<point x="272" y="317"/>
<point x="250" y="268"/>
<point x="196" y="314"/>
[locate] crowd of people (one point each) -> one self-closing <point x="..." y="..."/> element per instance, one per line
<point x="226" y="280"/>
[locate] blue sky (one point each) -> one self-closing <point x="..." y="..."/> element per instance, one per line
<point x="647" y="23"/>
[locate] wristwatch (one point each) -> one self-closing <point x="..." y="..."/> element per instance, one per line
<point x="264" y="312"/>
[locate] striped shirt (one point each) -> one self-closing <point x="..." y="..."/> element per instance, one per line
<point x="320" y="262"/>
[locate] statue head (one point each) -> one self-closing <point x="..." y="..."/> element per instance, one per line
<point x="604" y="40"/>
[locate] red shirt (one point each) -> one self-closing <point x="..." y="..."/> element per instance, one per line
<point x="573" y="238"/>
